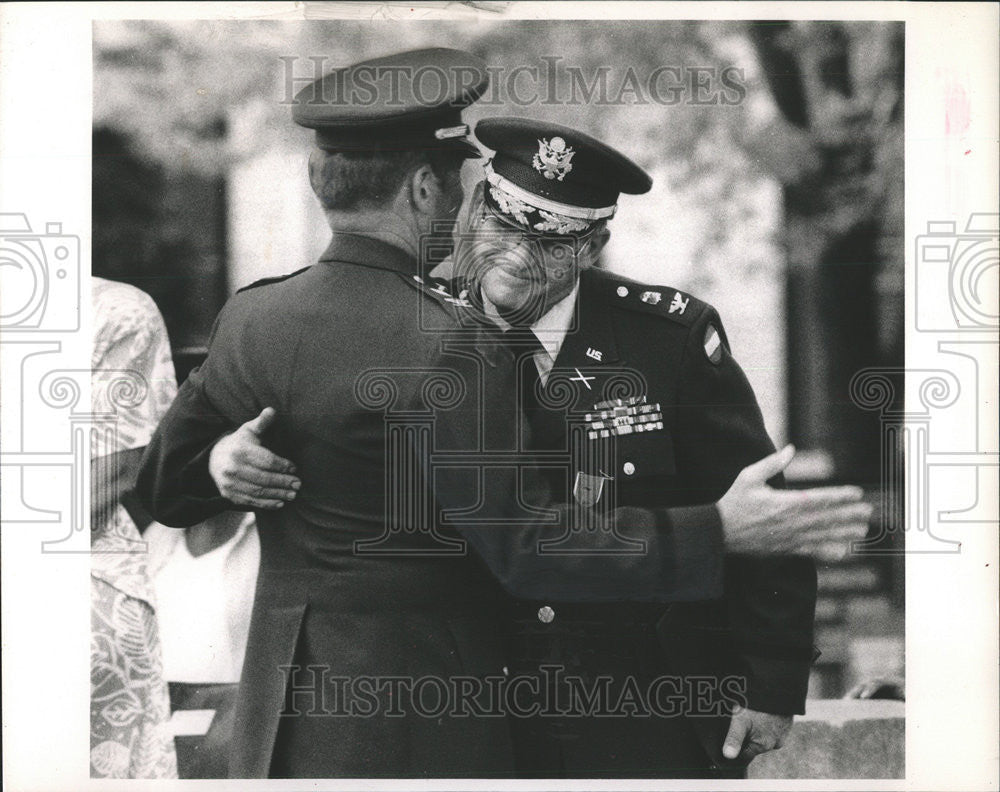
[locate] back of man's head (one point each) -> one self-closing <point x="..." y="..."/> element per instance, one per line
<point x="377" y="125"/>
<point x="358" y="181"/>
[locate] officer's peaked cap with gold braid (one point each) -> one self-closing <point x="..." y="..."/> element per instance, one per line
<point x="549" y="178"/>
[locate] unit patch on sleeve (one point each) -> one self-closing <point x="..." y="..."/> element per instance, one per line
<point x="713" y="345"/>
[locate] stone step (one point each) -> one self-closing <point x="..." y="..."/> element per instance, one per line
<point x="840" y="738"/>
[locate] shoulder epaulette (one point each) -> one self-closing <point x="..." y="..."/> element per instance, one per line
<point x="275" y="279"/>
<point x="664" y="301"/>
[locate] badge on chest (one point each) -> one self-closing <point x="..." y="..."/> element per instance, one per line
<point x="587" y="489"/>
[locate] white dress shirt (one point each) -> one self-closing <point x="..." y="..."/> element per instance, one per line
<point x="550" y="329"/>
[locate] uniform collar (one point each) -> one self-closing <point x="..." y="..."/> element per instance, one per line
<point x="358" y="248"/>
<point x="550" y="329"/>
<point x="591" y="338"/>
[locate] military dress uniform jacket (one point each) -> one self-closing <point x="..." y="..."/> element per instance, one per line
<point x="654" y="411"/>
<point x="357" y="578"/>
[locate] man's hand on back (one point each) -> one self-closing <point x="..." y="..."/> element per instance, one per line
<point x="249" y="474"/>
<point x="821" y="522"/>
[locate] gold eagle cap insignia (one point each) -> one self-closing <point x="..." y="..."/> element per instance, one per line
<point x="553" y="159"/>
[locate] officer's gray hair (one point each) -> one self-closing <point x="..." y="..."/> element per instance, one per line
<point x="348" y="180"/>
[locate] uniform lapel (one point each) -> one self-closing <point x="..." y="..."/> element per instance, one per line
<point x="589" y="355"/>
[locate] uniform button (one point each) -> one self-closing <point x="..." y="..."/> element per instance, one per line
<point x="546" y="614"/>
<point x="622" y="291"/>
<point x="629" y="468"/>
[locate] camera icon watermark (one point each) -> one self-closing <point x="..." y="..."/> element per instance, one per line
<point x="470" y="254"/>
<point x="41" y="277"/>
<point x="956" y="275"/>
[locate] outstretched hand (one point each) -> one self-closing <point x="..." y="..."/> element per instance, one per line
<point x="821" y="522"/>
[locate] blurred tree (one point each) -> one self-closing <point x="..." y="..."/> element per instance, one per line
<point x="839" y="90"/>
<point x="168" y="86"/>
<point x="162" y="230"/>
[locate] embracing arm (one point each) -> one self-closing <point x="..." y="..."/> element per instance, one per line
<point x="199" y="464"/>
<point x="173" y="483"/>
<point x="220" y="399"/>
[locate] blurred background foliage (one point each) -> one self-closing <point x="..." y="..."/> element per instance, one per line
<point x="173" y="88"/>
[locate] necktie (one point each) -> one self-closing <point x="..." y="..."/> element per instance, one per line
<point x="544" y="423"/>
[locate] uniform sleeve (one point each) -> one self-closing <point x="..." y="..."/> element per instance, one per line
<point x="174" y="484"/>
<point x="770" y="599"/>
<point x="508" y="514"/>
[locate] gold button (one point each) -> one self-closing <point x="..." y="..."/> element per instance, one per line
<point x="622" y="291"/>
<point x="546" y="614"/>
<point x="629" y="468"/>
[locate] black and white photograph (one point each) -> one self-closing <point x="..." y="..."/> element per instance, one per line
<point x="497" y="396"/>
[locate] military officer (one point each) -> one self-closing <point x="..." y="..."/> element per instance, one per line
<point x="345" y="591"/>
<point x="678" y="430"/>
<point x="386" y="171"/>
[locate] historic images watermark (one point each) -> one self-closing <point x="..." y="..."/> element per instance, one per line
<point x="954" y="290"/>
<point x="956" y="303"/>
<point x="312" y="691"/>
<point x="41" y="277"/>
<point x="548" y="82"/>
<point x="40" y="308"/>
<point x="41" y="303"/>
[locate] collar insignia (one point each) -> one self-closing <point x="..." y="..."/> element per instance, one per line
<point x="679" y="303"/>
<point x="581" y="377"/>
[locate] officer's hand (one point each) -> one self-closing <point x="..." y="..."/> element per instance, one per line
<point x="879" y="688"/>
<point x="752" y="733"/>
<point x="247" y="473"/>
<point x="820" y="522"/>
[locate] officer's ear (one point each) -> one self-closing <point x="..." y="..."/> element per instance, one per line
<point x="425" y="190"/>
<point x="596" y="242"/>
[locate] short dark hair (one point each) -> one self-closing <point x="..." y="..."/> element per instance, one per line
<point x="346" y="180"/>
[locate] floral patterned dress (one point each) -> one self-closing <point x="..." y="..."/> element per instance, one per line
<point x="133" y="382"/>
